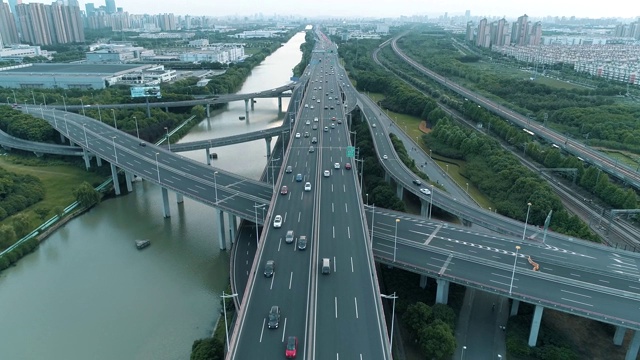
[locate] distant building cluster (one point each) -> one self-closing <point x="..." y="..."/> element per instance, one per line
<point x="628" y="30"/>
<point x="497" y="33"/>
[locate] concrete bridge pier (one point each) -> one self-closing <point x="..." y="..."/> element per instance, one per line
<point x="221" y="239"/>
<point x="114" y="176"/>
<point x="246" y="109"/>
<point x="387" y="178"/>
<point x="442" y="294"/>
<point x="399" y="191"/>
<point x="515" y="304"/>
<point x="233" y="227"/>
<point x="424" y="208"/>
<point x="38" y="154"/>
<point x="279" y="104"/>
<point x="179" y="198"/>
<point x="423" y="281"/>
<point x="618" y="337"/>
<point x="268" y="140"/>
<point x="62" y="139"/>
<point x="208" y="152"/>
<point x="127" y="177"/>
<point x="208" y="111"/>
<point x="632" y="352"/>
<point x="165" y="203"/>
<point x="87" y="161"/>
<point x="253" y="102"/>
<point x="535" y="325"/>
<point x="99" y="160"/>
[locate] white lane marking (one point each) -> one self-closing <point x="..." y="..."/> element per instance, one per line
<point x="284" y="329"/>
<point x="346" y="209"/>
<point x="334" y="264"/>
<point x="575" y="293"/>
<point x="284" y="219"/>
<point x="576" y="275"/>
<point x="335" y="301"/>
<point x="351" y="263"/>
<point x="279" y="244"/>
<point x="577" y="302"/>
<point x="272" y="278"/>
<point x="355" y="300"/>
<point x="332" y="210"/>
<point x="344" y="188"/>
<point x="348" y="233"/>
<point x="262" y="331"/>
<point x="333" y="230"/>
<point x="299" y="215"/>
<point x="290" y="280"/>
<point x="194" y="190"/>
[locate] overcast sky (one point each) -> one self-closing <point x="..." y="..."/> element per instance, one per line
<point x="380" y="8"/>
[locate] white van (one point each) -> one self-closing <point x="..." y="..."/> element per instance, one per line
<point x="326" y="265"/>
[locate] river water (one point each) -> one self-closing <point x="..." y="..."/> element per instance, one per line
<point x="88" y="293"/>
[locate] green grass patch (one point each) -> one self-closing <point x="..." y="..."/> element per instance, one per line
<point x="59" y="181"/>
<point x="624" y="158"/>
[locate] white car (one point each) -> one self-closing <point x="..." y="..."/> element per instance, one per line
<point x="373" y="125"/>
<point x="385" y="157"/>
<point x="307" y="186"/>
<point x="327" y="173"/>
<point x="425" y="191"/>
<point x="306" y="105"/>
<point x="277" y="222"/>
<point x="308" y="122"/>
<point x="297" y="135"/>
<point x="336" y="166"/>
<point x="318" y="101"/>
<point x="315" y="119"/>
<point x="311" y="107"/>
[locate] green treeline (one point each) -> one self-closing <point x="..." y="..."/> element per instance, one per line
<point x="307" y="48"/>
<point x="17" y="192"/>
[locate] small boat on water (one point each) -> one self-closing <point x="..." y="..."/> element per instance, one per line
<point x="241" y="118"/>
<point x="141" y="244"/>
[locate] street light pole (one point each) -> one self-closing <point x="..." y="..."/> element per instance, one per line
<point x="467" y="188"/>
<point x="15" y="100"/>
<point x="158" y="167"/>
<point x="367" y="199"/>
<point x="224" y="308"/>
<point x="395" y="241"/>
<point x="137" y="131"/>
<point x="64" y="102"/>
<point x="215" y="184"/>
<point x="65" y="123"/>
<point x="44" y="101"/>
<point x="115" y="124"/>
<point x="393" y="316"/>
<point x="463" y="349"/>
<point x="513" y="274"/>
<point x="86" y="141"/>
<point x="115" y="151"/>
<point x="373" y="217"/>
<point x="526" y="220"/>
<point x="431" y="202"/>
<point x="82" y="105"/>
<point x="168" y="139"/>
<point x="255" y="210"/>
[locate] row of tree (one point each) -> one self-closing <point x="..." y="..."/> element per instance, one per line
<point x="17" y="192"/>
<point x="432" y="327"/>
<point x="307" y="49"/>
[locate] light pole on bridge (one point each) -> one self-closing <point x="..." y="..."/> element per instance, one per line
<point x="137" y="131"/>
<point x="115" y="124"/>
<point x="395" y="241"/>
<point x="215" y="184"/>
<point x="255" y="210"/>
<point x="86" y="141"/>
<point x="526" y="220"/>
<point x="393" y="317"/>
<point x="224" y="308"/>
<point x="158" y="167"/>
<point x="513" y="273"/>
<point x="115" y="151"/>
<point x="168" y="139"/>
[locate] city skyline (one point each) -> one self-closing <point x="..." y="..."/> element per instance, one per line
<point x="363" y="8"/>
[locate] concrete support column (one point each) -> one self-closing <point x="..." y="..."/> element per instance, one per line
<point x="165" y="203"/>
<point x="252" y="104"/>
<point x="208" y="111"/>
<point x="246" y="109"/>
<point x="279" y="104"/>
<point x="166" y="109"/>
<point x="535" y="325"/>
<point x="179" y="198"/>
<point x="233" y="226"/>
<point x="423" y="281"/>
<point x="424" y="208"/>
<point x="99" y="160"/>
<point x="515" y="304"/>
<point x="62" y="139"/>
<point x="87" y="161"/>
<point x="399" y="191"/>
<point x="114" y="176"/>
<point x="387" y="178"/>
<point x="442" y="294"/>
<point x="127" y="177"/>
<point x="221" y="239"/>
<point x="632" y="352"/>
<point x="618" y="337"/>
<point x="208" y="151"/>
<point x="268" y="140"/>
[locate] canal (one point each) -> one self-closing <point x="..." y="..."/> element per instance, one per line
<point x="87" y="293"/>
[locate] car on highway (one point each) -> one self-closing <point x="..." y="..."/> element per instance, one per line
<point x="277" y="222"/>
<point x="315" y="127"/>
<point x="339" y="121"/>
<point x="142" y="143"/>
<point x="299" y="177"/>
<point x="307" y="186"/>
<point x="347" y="166"/>
<point x="417" y="182"/>
<point x="306" y="105"/>
<point x="292" y="347"/>
<point x="385" y="157"/>
<point x="311" y="107"/>
<point x="302" y="242"/>
<point x="284" y="190"/>
<point x="318" y="101"/>
<point x="314" y="140"/>
<point x="315" y="119"/>
<point x="297" y="135"/>
<point x="373" y="125"/>
<point x="331" y="107"/>
<point x="306" y="134"/>
<point x="307" y="122"/>
<point x="269" y="268"/>
<point x="274" y="317"/>
<point x="326" y="107"/>
<point x="333" y="118"/>
<point x="333" y="126"/>
<point x="289" y="237"/>
<point x="327" y="173"/>
<point x="425" y="191"/>
<point x="336" y="166"/>
<point x="289" y="169"/>
<point x="311" y="149"/>
<point x="326" y="128"/>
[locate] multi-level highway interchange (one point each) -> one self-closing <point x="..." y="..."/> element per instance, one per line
<point x="340" y="315"/>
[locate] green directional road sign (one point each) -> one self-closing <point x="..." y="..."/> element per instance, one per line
<point x="351" y="151"/>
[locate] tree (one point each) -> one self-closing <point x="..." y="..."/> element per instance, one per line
<point x="21" y="224"/>
<point x="207" y="349"/>
<point x="7" y="235"/>
<point x="86" y="195"/>
<point x="417" y="316"/>
<point x="444" y="313"/>
<point x="437" y="341"/>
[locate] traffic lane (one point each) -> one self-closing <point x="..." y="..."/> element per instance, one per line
<point x="572" y="297"/>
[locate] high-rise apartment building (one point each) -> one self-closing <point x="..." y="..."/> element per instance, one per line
<point x="8" y="29"/>
<point x="520" y="31"/>
<point x="498" y="30"/>
<point x="480" y="34"/>
<point x="89" y="9"/>
<point x="166" y="22"/>
<point x="50" y="24"/>
<point x="536" y="34"/>
<point x="111" y="6"/>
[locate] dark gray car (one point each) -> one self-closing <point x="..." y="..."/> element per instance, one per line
<point x="274" y="317"/>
